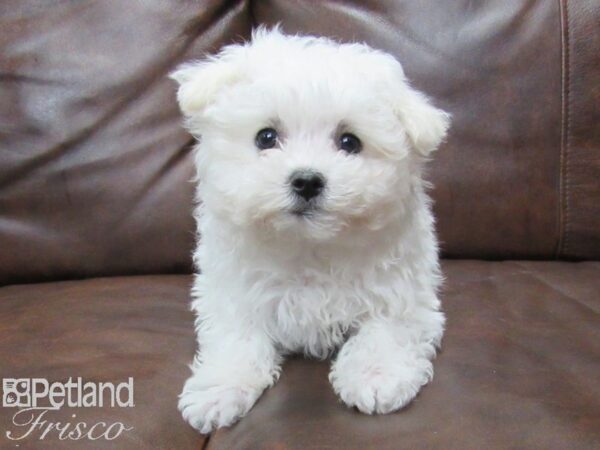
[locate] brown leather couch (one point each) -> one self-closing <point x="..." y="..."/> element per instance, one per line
<point x="96" y="232"/>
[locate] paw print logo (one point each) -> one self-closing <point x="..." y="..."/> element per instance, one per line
<point x="16" y="392"/>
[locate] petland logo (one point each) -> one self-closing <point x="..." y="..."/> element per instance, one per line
<point x="37" y="398"/>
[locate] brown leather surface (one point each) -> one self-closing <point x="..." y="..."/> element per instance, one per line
<point x="581" y="137"/>
<point x="105" y="329"/>
<point x="518" y="369"/>
<point x="94" y="163"/>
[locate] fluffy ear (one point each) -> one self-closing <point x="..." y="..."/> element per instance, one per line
<point x="200" y="81"/>
<point x="425" y="125"/>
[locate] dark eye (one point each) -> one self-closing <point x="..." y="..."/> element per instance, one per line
<point x="266" y="138"/>
<point x="350" y="143"/>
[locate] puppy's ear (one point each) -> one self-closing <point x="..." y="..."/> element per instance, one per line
<point x="201" y="81"/>
<point x="425" y="125"/>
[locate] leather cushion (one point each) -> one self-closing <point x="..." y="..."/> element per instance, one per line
<point x="95" y="165"/>
<point x="580" y="216"/>
<point x="518" y="368"/>
<point x="105" y="329"/>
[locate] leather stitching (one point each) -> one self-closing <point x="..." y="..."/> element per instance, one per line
<point x="567" y="217"/>
<point x="564" y="182"/>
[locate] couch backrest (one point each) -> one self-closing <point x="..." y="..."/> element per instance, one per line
<point x="95" y="168"/>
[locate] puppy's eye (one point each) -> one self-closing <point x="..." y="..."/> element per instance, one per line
<point x="350" y="143"/>
<point x="266" y="138"/>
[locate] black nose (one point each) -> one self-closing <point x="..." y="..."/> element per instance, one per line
<point x="307" y="183"/>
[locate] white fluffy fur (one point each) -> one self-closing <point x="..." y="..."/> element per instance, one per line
<point x="361" y="273"/>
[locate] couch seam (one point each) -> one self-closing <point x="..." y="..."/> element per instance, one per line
<point x="564" y="181"/>
<point x="252" y="14"/>
<point x="206" y="442"/>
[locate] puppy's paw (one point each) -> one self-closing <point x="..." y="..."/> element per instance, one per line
<point x="380" y="386"/>
<point x="207" y="408"/>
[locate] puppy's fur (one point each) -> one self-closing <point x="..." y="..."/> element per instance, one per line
<point x="356" y="268"/>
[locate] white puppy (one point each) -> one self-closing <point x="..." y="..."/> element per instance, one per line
<point x="315" y="231"/>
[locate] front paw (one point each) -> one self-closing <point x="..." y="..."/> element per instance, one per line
<point x="380" y="386"/>
<point x="207" y="408"/>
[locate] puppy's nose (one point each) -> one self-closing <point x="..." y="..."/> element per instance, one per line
<point x="307" y="183"/>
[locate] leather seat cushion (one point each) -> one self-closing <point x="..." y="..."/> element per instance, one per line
<point x="104" y="329"/>
<point x="518" y="369"/>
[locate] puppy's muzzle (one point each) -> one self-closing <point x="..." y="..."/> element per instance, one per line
<point x="307" y="184"/>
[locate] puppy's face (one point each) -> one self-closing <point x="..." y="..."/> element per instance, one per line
<point x="304" y="137"/>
